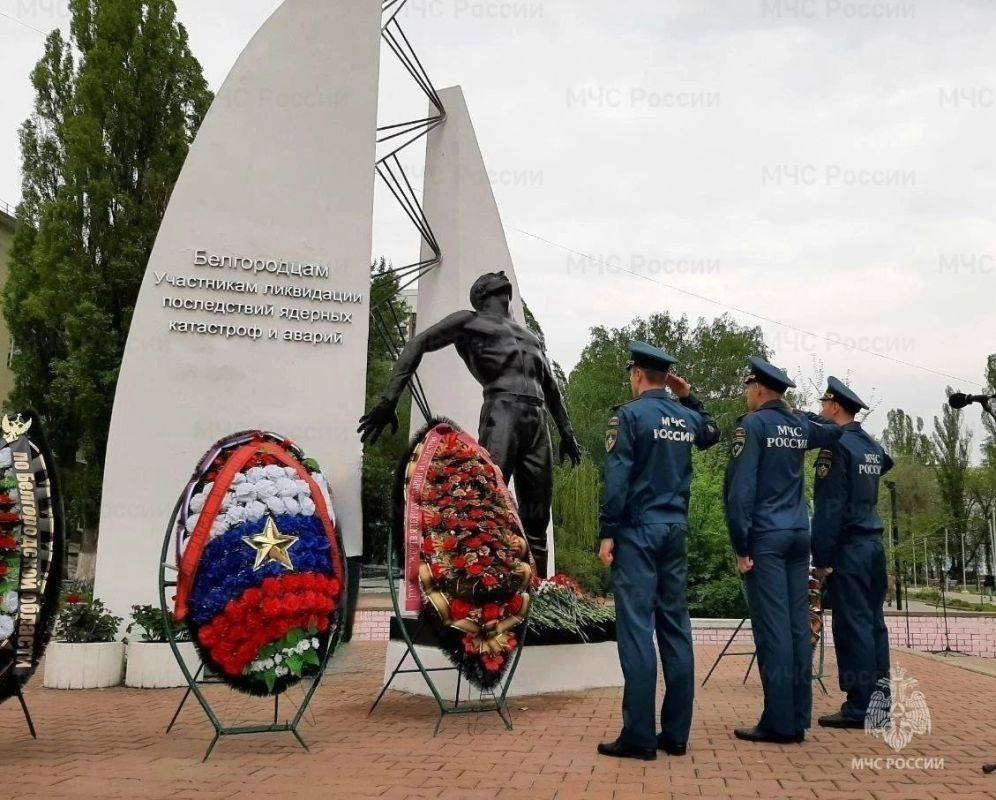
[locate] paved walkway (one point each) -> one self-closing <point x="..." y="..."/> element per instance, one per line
<point x="110" y="744"/>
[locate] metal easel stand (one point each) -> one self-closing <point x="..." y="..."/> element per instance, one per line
<point x="24" y="706"/>
<point x="497" y="703"/>
<point x="947" y="650"/>
<point x="194" y="683"/>
<point x="724" y="653"/>
<point x="818" y="673"/>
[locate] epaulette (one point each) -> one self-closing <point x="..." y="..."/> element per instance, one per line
<point x="627" y="403"/>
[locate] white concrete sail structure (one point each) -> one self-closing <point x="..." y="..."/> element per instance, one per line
<point x="460" y="205"/>
<point x="254" y="308"/>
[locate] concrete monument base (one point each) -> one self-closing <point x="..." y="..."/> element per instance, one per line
<point x="546" y="669"/>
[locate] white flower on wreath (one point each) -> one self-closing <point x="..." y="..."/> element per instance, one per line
<point x="6" y="626"/>
<point x="10" y="602"/>
<point x="6" y="458"/>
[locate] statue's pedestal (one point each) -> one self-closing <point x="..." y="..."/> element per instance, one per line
<point x="544" y="669"/>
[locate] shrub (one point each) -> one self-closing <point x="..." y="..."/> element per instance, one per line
<point x="151" y="624"/>
<point x="86" y="622"/>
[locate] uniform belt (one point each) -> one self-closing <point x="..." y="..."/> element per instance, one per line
<point x="528" y="399"/>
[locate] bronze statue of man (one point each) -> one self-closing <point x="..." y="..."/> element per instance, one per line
<point x="508" y="361"/>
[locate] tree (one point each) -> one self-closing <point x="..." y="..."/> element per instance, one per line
<point x="390" y="319"/>
<point x="712" y="355"/>
<point x="115" y="110"/>
<point x="952" y="446"/>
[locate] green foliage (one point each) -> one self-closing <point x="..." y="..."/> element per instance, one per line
<point x="116" y="107"/>
<point x="389" y="322"/>
<point x="86" y="622"/>
<point x="150" y="623"/>
<point x="933" y="597"/>
<point x="712" y="355"/>
<point x="576" y="493"/>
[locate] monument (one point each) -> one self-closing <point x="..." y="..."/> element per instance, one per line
<point x="467" y="226"/>
<point x="253" y="313"/>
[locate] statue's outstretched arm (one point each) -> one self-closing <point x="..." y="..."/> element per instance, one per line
<point x="443" y="333"/>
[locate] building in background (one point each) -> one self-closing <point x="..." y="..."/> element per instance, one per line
<point x="6" y="239"/>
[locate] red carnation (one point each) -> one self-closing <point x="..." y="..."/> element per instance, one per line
<point x="460" y="609"/>
<point x="476" y="513"/>
<point x="459" y="562"/>
<point x="515" y="604"/>
<point x="438" y="572"/>
<point x="490" y="581"/>
<point x="450" y="543"/>
<point x="8" y="543"/>
<point x="475" y="569"/>
<point x="468" y="525"/>
<point x="491" y="612"/>
<point x="492" y="663"/>
<point x="472" y="543"/>
<point x="430" y="519"/>
<point x="452" y="523"/>
<point x="428" y="546"/>
<point x="72" y="599"/>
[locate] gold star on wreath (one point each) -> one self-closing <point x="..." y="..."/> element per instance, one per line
<point x="271" y="545"/>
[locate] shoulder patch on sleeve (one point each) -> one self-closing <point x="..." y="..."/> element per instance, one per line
<point x="824" y="462"/>
<point x="739" y="442"/>
<point x="612" y="434"/>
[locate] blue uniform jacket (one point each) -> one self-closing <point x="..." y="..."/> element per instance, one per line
<point x="845" y="495"/>
<point x="765" y="484"/>
<point x="648" y="468"/>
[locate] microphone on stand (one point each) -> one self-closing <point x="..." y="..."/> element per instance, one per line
<point x="961" y="400"/>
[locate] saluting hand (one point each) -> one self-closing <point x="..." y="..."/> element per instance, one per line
<point x="745" y="564"/>
<point x="678" y="385"/>
<point x="605" y="551"/>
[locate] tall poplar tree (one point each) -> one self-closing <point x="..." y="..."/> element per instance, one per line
<point x="115" y="110"/>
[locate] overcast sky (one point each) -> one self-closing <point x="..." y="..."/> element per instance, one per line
<point x="825" y="164"/>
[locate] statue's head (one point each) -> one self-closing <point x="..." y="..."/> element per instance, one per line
<point x="493" y="283"/>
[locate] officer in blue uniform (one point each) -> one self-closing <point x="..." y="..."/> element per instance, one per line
<point x="644" y="531"/>
<point x="848" y="550"/>
<point x="769" y="527"/>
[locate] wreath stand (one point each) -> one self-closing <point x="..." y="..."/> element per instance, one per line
<point x="497" y="703"/>
<point x="818" y="674"/>
<point x="24" y="706"/>
<point x="196" y="680"/>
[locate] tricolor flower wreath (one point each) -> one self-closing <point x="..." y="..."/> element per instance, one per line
<point x="463" y="534"/>
<point x="261" y="569"/>
<point x="31" y="550"/>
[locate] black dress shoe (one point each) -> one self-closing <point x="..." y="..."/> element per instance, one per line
<point x="838" y="720"/>
<point x="619" y="749"/>
<point x="757" y="734"/>
<point x="671" y="748"/>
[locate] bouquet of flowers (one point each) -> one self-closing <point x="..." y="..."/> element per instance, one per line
<point x="472" y="561"/>
<point x="261" y="570"/>
<point x="561" y="608"/>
